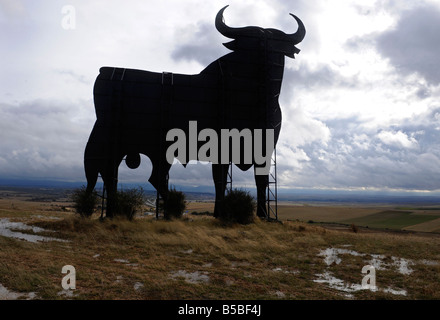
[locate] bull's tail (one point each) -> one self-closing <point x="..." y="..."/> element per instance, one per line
<point x="91" y="168"/>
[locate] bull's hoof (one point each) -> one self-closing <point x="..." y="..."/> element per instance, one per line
<point x="261" y="214"/>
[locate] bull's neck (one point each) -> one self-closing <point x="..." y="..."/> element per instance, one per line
<point x="275" y="71"/>
<point x="267" y="68"/>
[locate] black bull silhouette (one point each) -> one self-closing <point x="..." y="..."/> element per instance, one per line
<point x="135" y="109"/>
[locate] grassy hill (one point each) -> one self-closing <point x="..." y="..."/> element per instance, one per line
<point x="199" y="258"/>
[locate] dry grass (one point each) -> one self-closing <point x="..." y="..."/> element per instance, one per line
<point x="199" y="258"/>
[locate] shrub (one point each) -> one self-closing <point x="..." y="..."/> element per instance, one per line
<point x="238" y="207"/>
<point x="128" y="202"/>
<point x="354" y="228"/>
<point x="84" y="202"/>
<point x="175" y="205"/>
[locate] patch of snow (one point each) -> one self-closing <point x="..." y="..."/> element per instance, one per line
<point x="395" y="292"/>
<point x="331" y="255"/>
<point x="137" y="286"/>
<point x="191" y="277"/>
<point x="278" y="269"/>
<point x="126" y="262"/>
<point x="429" y="262"/>
<point x="337" y="284"/>
<point x="403" y="265"/>
<point x="280" y="294"/>
<point x="121" y="260"/>
<point x="5" y="294"/>
<point x="66" y="293"/>
<point x="376" y="261"/>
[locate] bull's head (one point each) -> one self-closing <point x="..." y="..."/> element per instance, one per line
<point x="252" y="37"/>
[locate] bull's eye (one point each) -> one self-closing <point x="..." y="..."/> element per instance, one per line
<point x="133" y="160"/>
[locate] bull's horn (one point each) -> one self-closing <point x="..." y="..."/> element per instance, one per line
<point x="224" y="29"/>
<point x="299" y="35"/>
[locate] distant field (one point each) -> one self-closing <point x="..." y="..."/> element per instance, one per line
<point x="383" y="217"/>
<point x="392" y="219"/>
<point x="321" y="213"/>
<point x="415" y="219"/>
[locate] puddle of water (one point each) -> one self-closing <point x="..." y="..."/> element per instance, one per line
<point x="6" y="227"/>
<point x="191" y="277"/>
<point x="5" y="294"/>
<point x="47" y="217"/>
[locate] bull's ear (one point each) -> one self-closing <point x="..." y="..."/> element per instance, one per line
<point x="291" y="54"/>
<point x="232" y="45"/>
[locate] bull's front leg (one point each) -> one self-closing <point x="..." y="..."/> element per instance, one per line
<point x="110" y="178"/>
<point x="262" y="182"/>
<point x="219" y="175"/>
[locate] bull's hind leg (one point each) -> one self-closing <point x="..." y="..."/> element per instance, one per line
<point x="159" y="180"/>
<point x="219" y="174"/>
<point x="262" y="182"/>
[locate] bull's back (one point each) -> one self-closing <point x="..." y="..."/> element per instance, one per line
<point x="129" y="97"/>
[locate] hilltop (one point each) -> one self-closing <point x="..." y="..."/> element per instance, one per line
<point x="197" y="257"/>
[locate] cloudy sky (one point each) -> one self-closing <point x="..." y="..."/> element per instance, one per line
<point x="361" y="102"/>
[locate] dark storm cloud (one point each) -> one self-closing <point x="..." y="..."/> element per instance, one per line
<point x="43" y="139"/>
<point x="405" y="155"/>
<point x="413" y="45"/>
<point x="319" y="77"/>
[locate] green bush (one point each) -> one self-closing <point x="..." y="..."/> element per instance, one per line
<point x="175" y="204"/>
<point x="128" y="202"/>
<point x="84" y="202"/>
<point x="238" y="207"/>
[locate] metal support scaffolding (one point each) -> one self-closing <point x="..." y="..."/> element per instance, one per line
<point x="272" y="190"/>
<point x="103" y="200"/>
<point x="229" y="178"/>
<point x="267" y="80"/>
